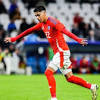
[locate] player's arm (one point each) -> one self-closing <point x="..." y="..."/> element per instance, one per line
<point x="61" y="28"/>
<point x="26" y="32"/>
<point x="71" y="35"/>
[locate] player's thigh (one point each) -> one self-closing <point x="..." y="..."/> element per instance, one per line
<point x="69" y="74"/>
<point x="54" y="63"/>
<point x="52" y="66"/>
<point x="51" y="69"/>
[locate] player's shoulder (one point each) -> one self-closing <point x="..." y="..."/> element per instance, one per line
<point x="39" y="24"/>
<point x="53" y="20"/>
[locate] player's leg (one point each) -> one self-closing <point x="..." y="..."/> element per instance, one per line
<point x="51" y="69"/>
<point x="79" y="81"/>
<point x="51" y="81"/>
<point x="67" y="71"/>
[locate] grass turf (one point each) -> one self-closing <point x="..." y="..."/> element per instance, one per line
<point x="35" y="87"/>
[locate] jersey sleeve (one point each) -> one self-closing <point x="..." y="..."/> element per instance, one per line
<point x="28" y="31"/>
<point x="56" y="24"/>
<point x="71" y="35"/>
<point x="61" y="28"/>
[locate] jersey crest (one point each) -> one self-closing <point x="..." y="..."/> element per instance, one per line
<point x="48" y="27"/>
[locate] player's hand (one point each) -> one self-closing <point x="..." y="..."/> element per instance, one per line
<point x="7" y="39"/>
<point x="84" y="42"/>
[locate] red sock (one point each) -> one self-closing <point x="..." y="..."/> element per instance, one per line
<point x="79" y="81"/>
<point x="52" y="82"/>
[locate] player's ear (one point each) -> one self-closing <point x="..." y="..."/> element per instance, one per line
<point x="44" y="12"/>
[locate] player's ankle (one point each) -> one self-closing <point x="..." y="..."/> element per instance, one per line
<point x="93" y="86"/>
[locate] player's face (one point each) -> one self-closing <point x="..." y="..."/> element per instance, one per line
<point x="40" y="16"/>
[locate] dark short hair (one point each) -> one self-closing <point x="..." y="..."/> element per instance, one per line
<point x="39" y="9"/>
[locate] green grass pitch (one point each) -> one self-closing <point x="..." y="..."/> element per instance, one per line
<point x="35" y="87"/>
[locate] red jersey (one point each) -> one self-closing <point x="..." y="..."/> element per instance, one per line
<point x="54" y="31"/>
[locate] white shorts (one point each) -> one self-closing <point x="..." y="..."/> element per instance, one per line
<point x="62" y="61"/>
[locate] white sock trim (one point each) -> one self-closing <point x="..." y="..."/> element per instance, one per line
<point x="53" y="98"/>
<point x="92" y="86"/>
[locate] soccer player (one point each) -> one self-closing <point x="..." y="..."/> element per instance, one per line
<point x="54" y="30"/>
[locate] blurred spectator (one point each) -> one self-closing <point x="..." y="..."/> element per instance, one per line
<point x="24" y="1"/>
<point x="30" y="3"/>
<point x="84" y="66"/>
<point x="32" y="37"/>
<point x="2" y="36"/>
<point x="39" y="33"/>
<point x="49" y="1"/>
<point x="23" y="25"/>
<point x="97" y="33"/>
<point x="75" y="29"/>
<point x="77" y="18"/>
<point x="11" y="26"/>
<point x="2" y="8"/>
<point x="14" y="12"/>
<point x="99" y="10"/>
<point x="74" y="64"/>
<point x="82" y="26"/>
<point x="1" y="62"/>
<point x="93" y="24"/>
<point x="15" y="61"/>
<point x="2" y="32"/>
<point x="32" y="24"/>
<point x="3" y="54"/>
<point x="73" y="1"/>
<point x="95" y="65"/>
<point x="86" y="30"/>
<point x="0" y="54"/>
<point x="22" y="63"/>
<point x="11" y="48"/>
<point x="91" y="36"/>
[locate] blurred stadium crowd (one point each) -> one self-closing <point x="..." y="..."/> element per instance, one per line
<point x="81" y="17"/>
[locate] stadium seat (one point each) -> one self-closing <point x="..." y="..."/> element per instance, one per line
<point x="75" y="7"/>
<point x="95" y="7"/>
<point x="21" y="6"/>
<point x="17" y="23"/>
<point x="4" y="20"/>
<point x="6" y="3"/>
<point x="60" y="2"/>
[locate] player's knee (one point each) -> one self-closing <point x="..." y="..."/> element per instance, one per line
<point x="48" y="73"/>
<point x="67" y="78"/>
<point x="70" y="78"/>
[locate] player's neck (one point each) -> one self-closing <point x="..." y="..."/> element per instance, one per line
<point x="45" y="19"/>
